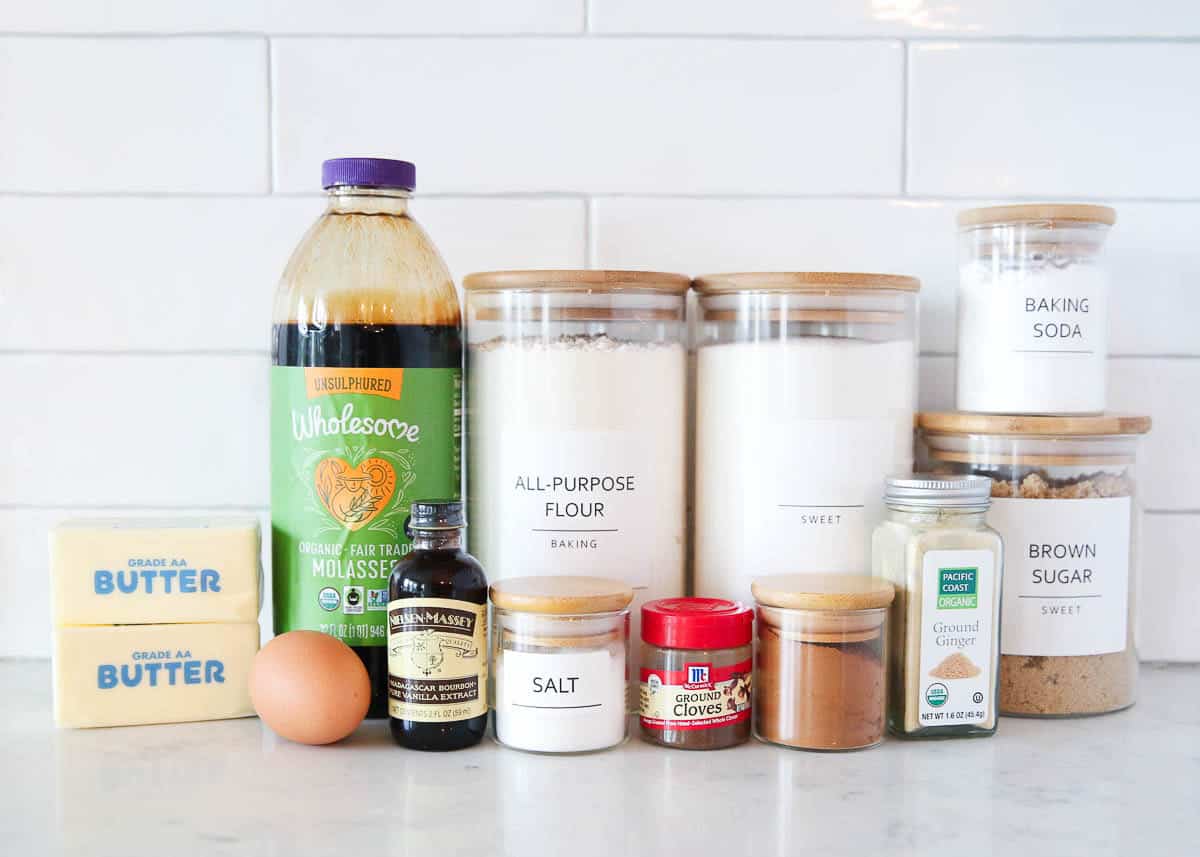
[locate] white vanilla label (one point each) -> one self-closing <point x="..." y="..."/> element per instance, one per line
<point x="1066" y="578"/>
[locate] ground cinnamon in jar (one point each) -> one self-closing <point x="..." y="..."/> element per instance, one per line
<point x="820" y="680"/>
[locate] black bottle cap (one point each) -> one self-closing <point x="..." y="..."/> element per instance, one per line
<point x="436" y="515"/>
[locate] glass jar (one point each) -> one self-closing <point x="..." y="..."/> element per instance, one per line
<point x="696" y="673"/>
<point x="805" y="390"/>
<point x="946" y="564"/>
<point x="1033" y="309"/>
<point x="1064" y="500"/>
<point x="560" y="663"/>
<point x="577" y="384"/>
<point x="820" y="679"/>
<point x="365" y="309"/>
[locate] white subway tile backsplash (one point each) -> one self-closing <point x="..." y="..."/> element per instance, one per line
<point x="177" y="274"/>
<point x="597" y="115"/>
<point x="1153" y="253"/>
<point x="908" y="18"/>
<point x="1086" y="120"/>
<point x="368" y="17"/>
<point x="1169" y="461"/>
<point x="133" y="115"/>
<point x="708" y="236"/>
<point x="25" y="619"/>
<point x="139" y="431"/>
<point x="1170" y="588"/>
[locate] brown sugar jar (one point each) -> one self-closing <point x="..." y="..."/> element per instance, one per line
<point x="821" y="665"/>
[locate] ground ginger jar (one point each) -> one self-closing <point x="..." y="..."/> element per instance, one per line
<point x="946" y="563"/>
<point x="1063" y="496"/>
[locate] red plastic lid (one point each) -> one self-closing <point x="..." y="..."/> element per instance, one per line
<point x="697" y="623"/>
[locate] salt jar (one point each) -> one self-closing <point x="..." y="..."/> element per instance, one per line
<point x="576" y="391"/>
<point x="560" y="663"/>
<point x="805" y="391"/>
<point x="1033" y="309"/>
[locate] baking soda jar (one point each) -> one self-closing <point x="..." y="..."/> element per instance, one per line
<point x="365" y="406"/>
<point x="1033" y="309"/>
<point x="805" y="389"/>
<point x="575" y="425"/>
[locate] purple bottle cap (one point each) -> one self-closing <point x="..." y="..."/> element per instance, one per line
<point x="368" y="172"/>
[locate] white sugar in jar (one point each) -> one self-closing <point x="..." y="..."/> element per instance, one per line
<point x="1033" y="309"/>
<point x="805" y="389"/>
<point x="560" y="663"/>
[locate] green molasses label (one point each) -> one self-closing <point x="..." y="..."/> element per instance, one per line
<point x="350" y="450"/>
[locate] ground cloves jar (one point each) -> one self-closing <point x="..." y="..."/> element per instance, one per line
<point x="820" y="671"/>
<point x="696" y="672"/>
<point x="560" y="663"/>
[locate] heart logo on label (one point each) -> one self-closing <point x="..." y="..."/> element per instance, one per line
<point x="355" y="495"/>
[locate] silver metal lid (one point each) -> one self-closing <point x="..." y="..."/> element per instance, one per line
<point x="943" y="492"/>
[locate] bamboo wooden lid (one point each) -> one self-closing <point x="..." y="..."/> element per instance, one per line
<point x="823" y="592"/>
<point x="561" y="594"/>
<point x="1037" y="213"/>
<point x="802" y="281"/>
<point x="960" y="422"/>
<point x="577" y="280"/>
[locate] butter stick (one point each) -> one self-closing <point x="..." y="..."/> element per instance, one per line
<point x="118" y="572"/>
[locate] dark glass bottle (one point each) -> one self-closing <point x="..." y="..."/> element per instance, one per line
<point x="437" y="635"/>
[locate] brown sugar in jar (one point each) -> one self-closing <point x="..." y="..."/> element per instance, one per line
<point x="820" y="679"/>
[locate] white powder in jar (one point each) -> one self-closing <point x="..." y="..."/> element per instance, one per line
<point x="1033" y="339"/>
<point x="793" y="441"/>
<point x="568" y="699"/>
<point x="576" y="460"/>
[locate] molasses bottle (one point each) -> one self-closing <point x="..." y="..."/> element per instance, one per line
<point x="437" y="635"/>
<point x="366" y="392"/>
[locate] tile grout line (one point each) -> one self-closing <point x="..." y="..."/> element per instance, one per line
<point x="904" y="121"/>
<point x="960" y="38"/>
<point x="270" y="117"/>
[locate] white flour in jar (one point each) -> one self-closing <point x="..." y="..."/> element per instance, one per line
<point x="793" y="441"/>
<point x="576" y="460"/>
<point x="1032" y="340"/>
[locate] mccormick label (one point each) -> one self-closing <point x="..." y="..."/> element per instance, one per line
<point x="350" y="450"/>
<point x="700" y="696"/>
<point x="437" y="659"/>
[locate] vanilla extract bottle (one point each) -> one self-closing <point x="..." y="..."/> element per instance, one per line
<point x="437" y="635"/>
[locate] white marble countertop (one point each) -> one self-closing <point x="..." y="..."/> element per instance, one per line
<point x="1125" y="784"/>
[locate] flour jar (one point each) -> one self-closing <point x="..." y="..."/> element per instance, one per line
<point x="1033" y="309"/>
<point x="1064" y="501"/>
<point x="805" y="389"/>
<point x="560" y="663"/>
<point x="576" y="388"/>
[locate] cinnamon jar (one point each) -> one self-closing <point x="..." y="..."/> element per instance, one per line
<point x="820" y="672"/>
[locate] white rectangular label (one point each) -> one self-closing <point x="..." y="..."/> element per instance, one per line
<point x="957" y="636"/>
<point x="823" y="480"/>
<point x="587" y="502"/>
<point x="566" y="702"/>
<point x="1066" y="577"/>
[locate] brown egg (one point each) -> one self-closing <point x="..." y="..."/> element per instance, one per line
<point x="310" y="687"/>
